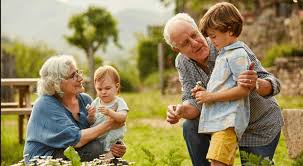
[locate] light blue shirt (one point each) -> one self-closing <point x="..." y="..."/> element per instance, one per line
<point x="217" y="116"/>
<point x="110" y="138"/>
<point x="52" y="126"/>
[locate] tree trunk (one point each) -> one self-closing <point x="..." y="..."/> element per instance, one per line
<point x="91" y="67"/>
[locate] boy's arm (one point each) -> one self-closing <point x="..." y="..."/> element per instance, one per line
<point x="235" y="93"/>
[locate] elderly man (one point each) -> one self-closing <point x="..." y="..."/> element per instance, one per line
<point x="194" y="63"/>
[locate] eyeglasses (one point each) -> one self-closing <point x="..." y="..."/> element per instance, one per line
<point x="77" y="75"/>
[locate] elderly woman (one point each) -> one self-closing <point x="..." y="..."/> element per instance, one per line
<point x="59" y="116"/>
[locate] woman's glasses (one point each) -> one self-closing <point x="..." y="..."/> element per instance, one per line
<point x="77" y="75"/>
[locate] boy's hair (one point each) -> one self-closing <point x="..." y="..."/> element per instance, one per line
<point x="104" y="71"/>
<point x="224" y="17"/>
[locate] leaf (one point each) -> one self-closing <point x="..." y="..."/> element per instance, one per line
<point x="73" y="156"/>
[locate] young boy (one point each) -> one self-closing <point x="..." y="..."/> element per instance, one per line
<point x="225" y="113"/>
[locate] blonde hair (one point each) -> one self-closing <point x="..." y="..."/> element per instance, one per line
<point x="224" y="17"/>
<point x="105" y="71"/>
<point x="52" y="72"/>
<point x="168" y="26"/>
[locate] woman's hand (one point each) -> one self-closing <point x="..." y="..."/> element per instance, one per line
<point x="113" y="124"/>
<point x="118" y="150"/>
<point x="248" y="79"/>
<point x="91" y="111"/>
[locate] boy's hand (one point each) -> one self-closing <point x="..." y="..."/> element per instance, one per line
<point x="202" y="96"/>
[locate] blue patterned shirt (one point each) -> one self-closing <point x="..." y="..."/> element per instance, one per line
<point x="265" y="115"/>
<point x="217" y="116"/>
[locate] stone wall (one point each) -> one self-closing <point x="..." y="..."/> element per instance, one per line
<point x="288" y="70"/>
<point x="290" y="73"/>
<point x="268" y="30"/>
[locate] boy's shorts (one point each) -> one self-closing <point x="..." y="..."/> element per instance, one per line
<point x="223" y="146"/>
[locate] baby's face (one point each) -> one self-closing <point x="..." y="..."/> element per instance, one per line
<point x="106" y="89"/>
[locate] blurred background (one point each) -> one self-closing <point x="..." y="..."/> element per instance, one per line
<point x="128" y="35"/>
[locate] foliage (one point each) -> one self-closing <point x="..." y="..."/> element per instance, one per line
<point x="281" y="50"/>
<point x="253" y="159"/>
<point x="147" y="61"/>
<point x="146" y="127"/>
<point x="298" y="161"/>
<point x="154" y="78"/>
<point x="91" y="31"/>
<point x="290" y="102"/>
<point x="174" y="157"/>
<point x="129" y="80"/>
<point x="72" y="155"/>
<point x="147" y="57"/>
<point x="149" y="156"/>
<point x="28" y="58"/>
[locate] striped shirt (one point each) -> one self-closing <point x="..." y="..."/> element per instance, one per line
<point x="265" y="115"/>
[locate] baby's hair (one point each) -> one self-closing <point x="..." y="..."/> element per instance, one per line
<point x="105" y="71"/>
<point x="224" y="17"/>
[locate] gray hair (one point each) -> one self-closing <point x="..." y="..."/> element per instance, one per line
<point x="168" y="26"/>
<point x="52" y="72"/>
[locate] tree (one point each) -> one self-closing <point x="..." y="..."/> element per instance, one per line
<point x="28" y="58"/>
<point x="91" y="31"/>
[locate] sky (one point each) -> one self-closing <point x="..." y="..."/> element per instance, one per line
<point x="118" y="5"/>
<point x="46" y="20"/>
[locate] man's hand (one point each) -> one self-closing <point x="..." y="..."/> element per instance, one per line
<point x="118" y="150"/>
<point x="173" y="114"/>
<point x="248" y="79"/>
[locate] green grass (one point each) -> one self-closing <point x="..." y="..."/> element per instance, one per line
<point x="11" y="150"/>
<point x="150" y="140"/>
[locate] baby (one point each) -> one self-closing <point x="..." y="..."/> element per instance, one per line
<point x="108" y="104"/>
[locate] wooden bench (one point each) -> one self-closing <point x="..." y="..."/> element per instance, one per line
<point x="16" y="111"/>
<point x="23" y="106"/>
<point x="11" y="104"/>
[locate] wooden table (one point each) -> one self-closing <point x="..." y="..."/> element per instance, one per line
<point x="24" y="103"/>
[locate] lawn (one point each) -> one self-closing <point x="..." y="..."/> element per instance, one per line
<point x="150" y="140"/>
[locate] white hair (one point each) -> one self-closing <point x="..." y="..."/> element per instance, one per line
<point x="168" y="26"/>
<point x="52" y="72"/>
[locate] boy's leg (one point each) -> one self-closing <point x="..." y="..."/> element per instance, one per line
<point x="197" y="144"/>
<point x="223" y="147"/>
<point x="264" y="151"/>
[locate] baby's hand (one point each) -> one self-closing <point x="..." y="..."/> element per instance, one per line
<point x="104" y="110"/>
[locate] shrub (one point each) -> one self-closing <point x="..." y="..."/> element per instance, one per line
<point x="282" y="50"/>
<point x="129" y="81"/>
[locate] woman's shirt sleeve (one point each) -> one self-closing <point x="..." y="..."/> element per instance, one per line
<point x="51" y="124"/>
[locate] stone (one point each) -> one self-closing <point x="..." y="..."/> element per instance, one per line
<point x="292" y="130"/>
